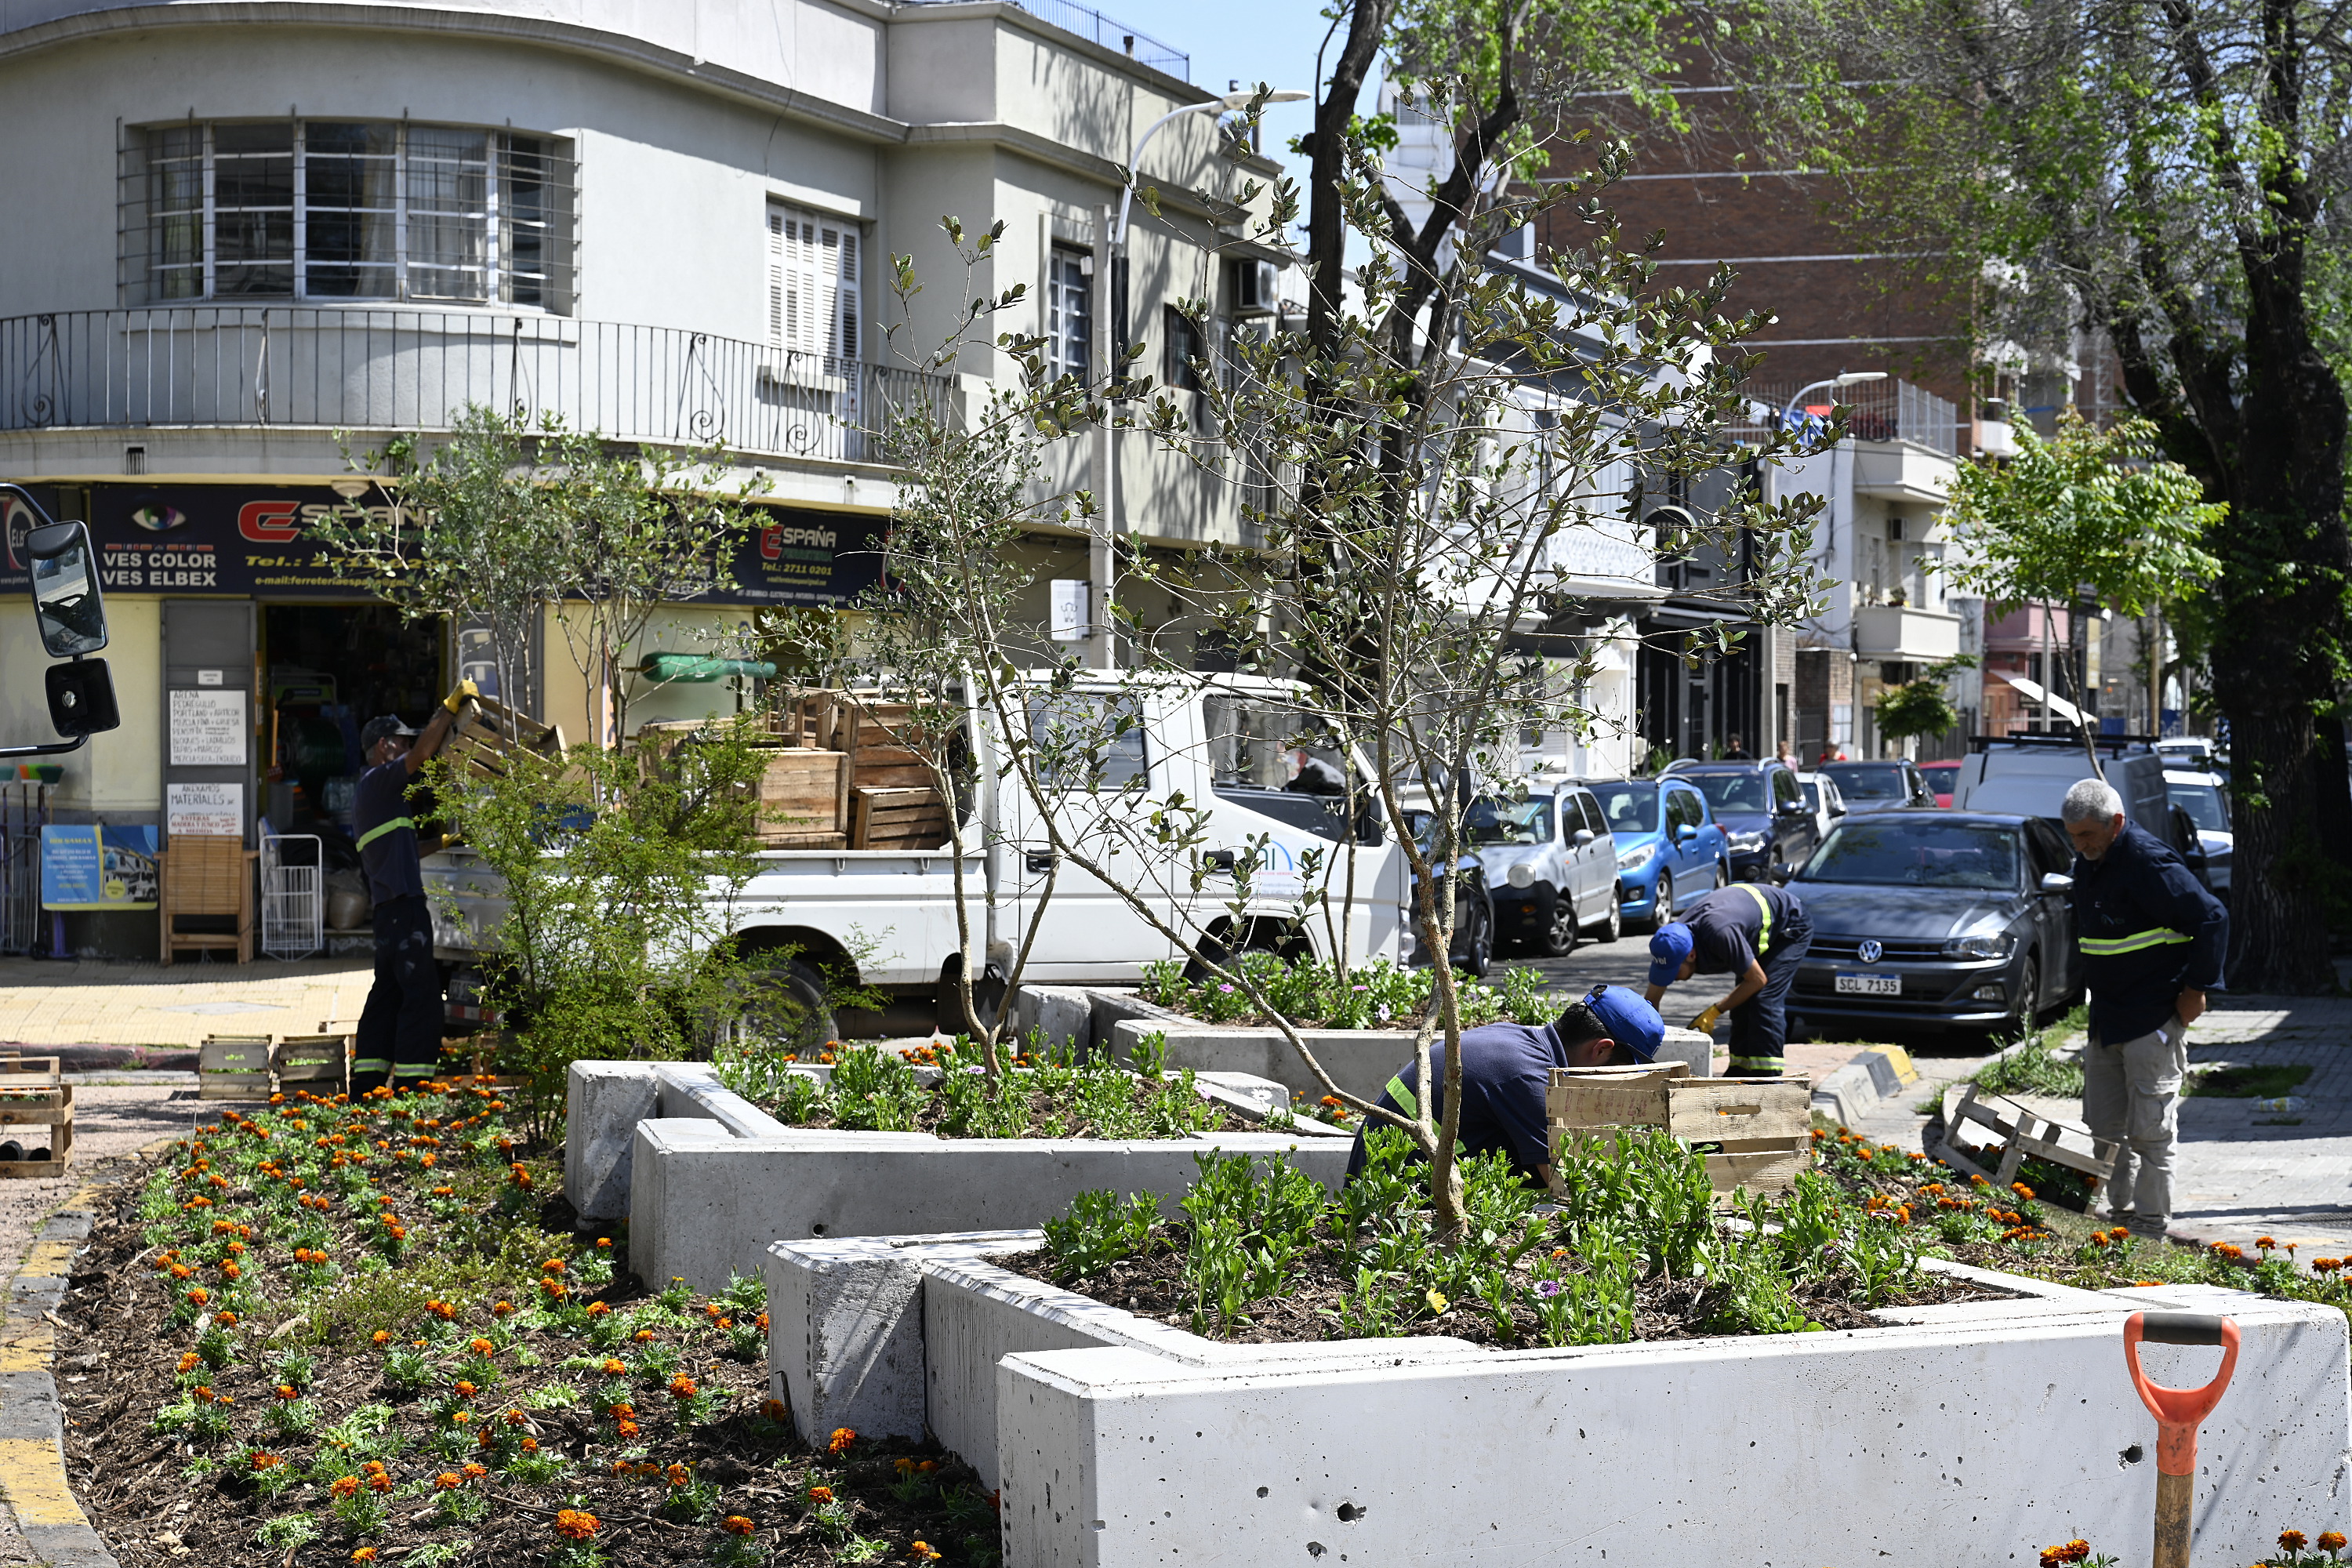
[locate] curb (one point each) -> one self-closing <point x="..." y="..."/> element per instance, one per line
<point x="1847" y="1094"/>
<point x="32" y="1420"/>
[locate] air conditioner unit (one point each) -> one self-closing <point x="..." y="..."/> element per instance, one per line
<point x="1253" y="285"/>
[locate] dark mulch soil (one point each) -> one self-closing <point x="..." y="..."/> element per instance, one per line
<point x="1153" y="1287"/>
<point x="166" y="1498"/>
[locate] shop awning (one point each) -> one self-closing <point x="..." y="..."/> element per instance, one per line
<point x="2032" y="692"/>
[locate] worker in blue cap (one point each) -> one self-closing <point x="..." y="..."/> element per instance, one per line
<point x="1758" y="932"/>
<point x="1505" y="1068"/>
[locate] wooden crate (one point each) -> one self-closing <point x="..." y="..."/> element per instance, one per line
<point x="808" y="719"/>
<point x="1757" y="1134"/>
<point x="803" y="791"/>
<point x="322" y="1060"/>
<point x="233" y="1066"/>
<point x="207" y="874"/>
<point x="489" y="735"/>
<point x="2021" y="1132"/>
<point x="884" y="751"/>
<point x="34" y="1093"/>
<point x="897" y="819"/>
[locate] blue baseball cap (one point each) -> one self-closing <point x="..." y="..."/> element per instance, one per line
<point x="1668" y="948"/>
<point x="1632" y="1022"/>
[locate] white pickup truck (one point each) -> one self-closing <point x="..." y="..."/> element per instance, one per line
<point x="886" y="918"/>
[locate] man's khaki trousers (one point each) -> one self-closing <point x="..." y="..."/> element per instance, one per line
<point x="2131" y="1093"/>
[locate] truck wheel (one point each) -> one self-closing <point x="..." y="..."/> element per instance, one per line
<point x="788" y="1003"/>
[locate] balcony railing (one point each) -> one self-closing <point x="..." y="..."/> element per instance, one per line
<point x="385" y="368"/>
<point x="1881" y="411"/>
<point x="1108" y="31"/>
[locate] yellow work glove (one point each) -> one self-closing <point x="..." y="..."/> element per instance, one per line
<point x="462" y="690"/>
<point x="1705" y="1022"/>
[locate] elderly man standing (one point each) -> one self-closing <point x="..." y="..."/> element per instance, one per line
<point x="2153" y="940"/>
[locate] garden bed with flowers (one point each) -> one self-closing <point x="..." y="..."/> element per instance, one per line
<point x="1044" y="1094"/>
<point x="1316" y="996"/>
<point x="338" y="1333"/>
<point x="1633" y="1250"/>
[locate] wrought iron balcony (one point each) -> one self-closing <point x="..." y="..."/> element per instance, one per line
<point x="395" y="368"/>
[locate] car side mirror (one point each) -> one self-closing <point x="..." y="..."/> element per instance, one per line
<point x="2057" y="882"/>
<point x="1685" y="832"/>
<point x="66" y="601"/>
<point x="1581" y="837"/>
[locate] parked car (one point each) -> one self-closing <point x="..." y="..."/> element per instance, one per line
<point x="1824" y="803"/>
<point x="1550" y="867"/>
<point x="1957" y="920"/>
<point x="1670" y="850"/>
<point x="1941" y="776"/>
<point x="1760" y="808"/>
<point x="2030" y="776"/>
<point x="2205" y="797"/>
<point x="1473" y="905"/>
<point x="2193" y="753"/>
<point x="1879" y="787"/>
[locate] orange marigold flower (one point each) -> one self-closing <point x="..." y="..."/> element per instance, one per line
<point x="625" y="1428"/>
<point x="642" y="1334"/>
<point x="576" y="1524"/>
<point x="474" y="1472"/>
<point x="2264" y="1242"/>
<point x="842" y="1436"/>
<point x="261" y="1460"/>
<point x="346" y="1486"/>
<point x="362" y="1554"/>
<point x="622" y="1467"/>
<point x="677" y="1475"/>
<point x="923" y="1552"/>
<point x="288" y="1391"/>
<point x="2291" y="1540"/>
<point x="530" y="1445"/>
<point x="615" y="1367"/>
<point x="820" y="1494"/>
<point x="378" y="1482"/>
<point x="516" y="1418"/>
<point x="501" y="1309"/>
<point x="774" y="1409"/>
<point x="481" y="1347"/>
<point x="736" y="1524"/>
<point x="598" y="1308"/>
<point x="552" y="1266"/>
<point x="190" y="1361"/>
<point x="230" y="1270"/>
<point x="763" y="1320"/>
<point x="465" y="1391"/>
<point x="182" y="1271"/>
<point x="199" y="1296"/>
<point x="448" y="1480"/>
<point x="681" y="1387"/>
<point x="604" y="1241"/>
<point x="2331" y="1541"/>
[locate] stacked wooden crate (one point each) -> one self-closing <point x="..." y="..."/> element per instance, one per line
<point x="1757" y="1134"/>
<point x="488" y="735"/>
<point x="893" y="802"/>
<point x="34" y="1093"/>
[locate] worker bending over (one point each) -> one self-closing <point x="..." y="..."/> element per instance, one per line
<point x="1507" y="1067"/>
<point x="2153" y="940"/>
<point x="1755" y="931"/>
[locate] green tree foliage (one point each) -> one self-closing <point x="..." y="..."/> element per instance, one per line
<point x="1921" y="707"/>
<point x="2169" y="174"/>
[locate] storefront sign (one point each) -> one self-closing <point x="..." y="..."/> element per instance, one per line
<point x="802" y="557"/>
<point x="208" y="729"/>
<point x="239" y="540"/>
<point x="99" y="868"/>
<point x="208" y="808"/>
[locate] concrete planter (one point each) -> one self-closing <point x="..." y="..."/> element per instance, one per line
<point x="707" y="1181"/>
<point x="1360" y="1061"/>
<point x="1120" y="1441"/>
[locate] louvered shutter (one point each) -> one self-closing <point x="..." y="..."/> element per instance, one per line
<point x="814" y="301"/>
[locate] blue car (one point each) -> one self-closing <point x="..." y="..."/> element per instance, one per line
<point x="1671" y="851"/>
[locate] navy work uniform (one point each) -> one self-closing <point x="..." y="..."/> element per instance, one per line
<point x="1747" y="923"/>
<point x="400" y="1029"/>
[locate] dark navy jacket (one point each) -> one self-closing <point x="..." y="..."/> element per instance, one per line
<point x="2148" y="930"/>
<point x="1506" y="1069"/>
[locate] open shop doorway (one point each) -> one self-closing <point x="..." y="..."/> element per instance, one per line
<point x="328" y="669"/>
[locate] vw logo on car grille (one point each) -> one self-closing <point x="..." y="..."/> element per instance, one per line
<point x="1871" y="950"/>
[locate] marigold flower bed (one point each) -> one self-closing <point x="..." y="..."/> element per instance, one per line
<point x="353" y="1332"/>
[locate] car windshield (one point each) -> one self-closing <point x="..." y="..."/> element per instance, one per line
<point x="1730" y="792"/>
<point x="1867" y="781"/>
<point x="1501" y="822"/>
<point x="1631" y="807"/>
<point x="1941" y="776"/>
<point x="1908" y="851"/>
<point x="2204" y="805"/>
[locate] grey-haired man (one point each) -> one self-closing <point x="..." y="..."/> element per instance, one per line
<point x="2153" y="940"/>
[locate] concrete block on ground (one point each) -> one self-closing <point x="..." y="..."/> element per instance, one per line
<point x="1108" y="1009"/>
<point x="1647" y="1451"/>
<point x="603" y="1102"/>
<point x="704" y="1204"/>
<point x="693" y="1089"/>
<point x="1846" y="1094"/>
<point x="1061" y="1015"/>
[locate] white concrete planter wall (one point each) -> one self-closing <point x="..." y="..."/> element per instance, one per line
<point x="1362" y="1061"/>
<point x="1968" y="1433"/>
<point x="707" y="1180"/>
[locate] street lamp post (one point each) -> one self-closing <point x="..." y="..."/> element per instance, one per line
<point x="1101" y="653"/>
<point x="1843" y="378"/>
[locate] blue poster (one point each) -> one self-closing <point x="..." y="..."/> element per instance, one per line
<point x="99" y="868"/>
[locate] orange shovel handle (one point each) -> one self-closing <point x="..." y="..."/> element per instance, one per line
<point x="2179" y="1410"/>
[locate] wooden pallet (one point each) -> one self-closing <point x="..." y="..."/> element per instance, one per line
<point x="2019" y="1133"/>
<point x="233" y="1066"/>
<point x="34" y="1093"/>
<point x="1757" y="1134"/>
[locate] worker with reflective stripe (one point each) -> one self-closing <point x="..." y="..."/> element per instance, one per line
<point x="1758" y="932"/>
<point x="1507" y="1067"/>
<point x="2153" y="940"/>
<point x="400" y="1029"/>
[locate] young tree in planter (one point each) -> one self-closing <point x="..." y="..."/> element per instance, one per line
<point x="2087" y="515"/>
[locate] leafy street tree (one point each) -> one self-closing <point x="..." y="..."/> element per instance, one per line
<point x="2166" y="176"/>
<point x="2086" y="516"/>
<point x="1922" y="706"/>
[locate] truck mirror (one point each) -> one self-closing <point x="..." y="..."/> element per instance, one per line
<point x="81" y="698"/>
<point x="67" y="602"/>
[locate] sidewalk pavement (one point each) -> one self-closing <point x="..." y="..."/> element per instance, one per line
<point x="2241" y="1171"/>
<point x="93" y="1001"/>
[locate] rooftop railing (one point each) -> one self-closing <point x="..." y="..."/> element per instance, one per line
<point x="394" y="368"/>
<point x="1881" y="411"/>
<point x="1107" y="31"/>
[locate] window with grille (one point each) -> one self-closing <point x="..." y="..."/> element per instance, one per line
<point x="327" y="209"/>
<point x="815" y="302"/>
<point x="1069" y="314"/>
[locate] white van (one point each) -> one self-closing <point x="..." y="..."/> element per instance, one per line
<point x="2030" y="775"/>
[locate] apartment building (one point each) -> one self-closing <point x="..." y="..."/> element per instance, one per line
<point x="244" y="238"/>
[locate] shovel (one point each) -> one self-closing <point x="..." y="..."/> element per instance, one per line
<point x="2178" y="1411"/>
